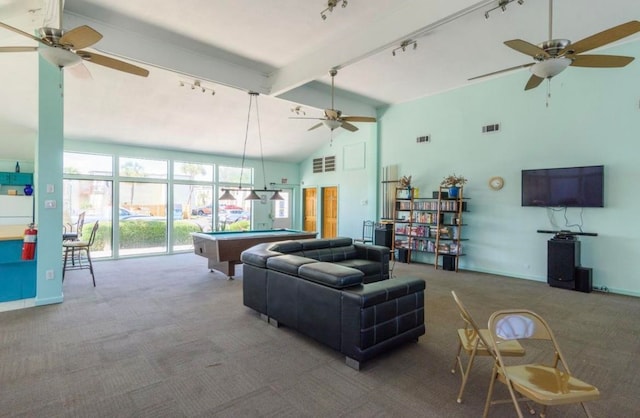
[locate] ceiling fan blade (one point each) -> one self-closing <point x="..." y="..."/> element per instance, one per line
<point x="331" y="113"/>
<point x="18" y="48"/>
<point x="358" y="119"/>
<point x="533" y="82"/>
<point x="112" y="63"/>
<point x="349" y="127"/>
<point x="23" y="33"/>
<point x="315" y="126"/>
<point x="601" y="61"/>
<point x="304" y="117"/>
<point x="602" y="38"/>
<point x="503" y="71"/>
<point x="527" y="48"/>
<point x="79" y="71"/>
<point x="80" y="37"/>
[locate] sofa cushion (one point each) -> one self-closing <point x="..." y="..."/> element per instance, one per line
<point x="288" y="263"/>
<point x="369" y="268"/>
<point x="286" y="247"/>
<point x="330" y="274"/>
<point x="314" y="243"/>
<point x="340" y="242"/>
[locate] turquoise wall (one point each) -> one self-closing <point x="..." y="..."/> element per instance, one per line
<point x="356" y="177"/>
<point x="592" y="117"/>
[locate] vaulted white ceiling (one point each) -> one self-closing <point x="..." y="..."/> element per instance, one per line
<point x="280" y="48"/>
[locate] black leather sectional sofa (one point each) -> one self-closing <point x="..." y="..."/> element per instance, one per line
<point x="336" y="292"/>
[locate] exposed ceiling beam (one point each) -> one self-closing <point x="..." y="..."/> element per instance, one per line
<point x="172" y="56"/>
<point x="411" y="19"/>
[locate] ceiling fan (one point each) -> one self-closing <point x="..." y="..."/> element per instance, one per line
<point x="65" y="48"/>
<point x="553" y="56"/>
<point x="333" y="118"/>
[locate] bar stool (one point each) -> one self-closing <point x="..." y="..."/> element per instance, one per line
<point x="76" y="249"/>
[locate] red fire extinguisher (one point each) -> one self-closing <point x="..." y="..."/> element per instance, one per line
<point x="29" y="242"/>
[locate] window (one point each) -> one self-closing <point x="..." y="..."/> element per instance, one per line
<point x="185" y="171"/>
<point x="88" y="164"/>
<point x="139" y="167"/>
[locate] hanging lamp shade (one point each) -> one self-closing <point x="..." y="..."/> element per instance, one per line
<point x="227" y="196"/>
<point x="277" y="196"/>
<point x="253" y="196"/>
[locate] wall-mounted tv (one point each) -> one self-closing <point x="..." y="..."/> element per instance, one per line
<point x="564" y="187"/>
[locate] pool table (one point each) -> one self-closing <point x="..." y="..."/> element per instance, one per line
<point x="223" y="248"/>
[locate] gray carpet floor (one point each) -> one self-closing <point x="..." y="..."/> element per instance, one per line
<point x="164" y="337"/>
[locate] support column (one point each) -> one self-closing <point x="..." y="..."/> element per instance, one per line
<point x="48" y="183"/>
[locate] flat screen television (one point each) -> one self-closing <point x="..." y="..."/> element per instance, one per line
<point x="564" y="187"/>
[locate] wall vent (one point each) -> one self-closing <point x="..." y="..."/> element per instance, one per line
<point x="422" y="139"/>
<point x="330" y="163"/>
<point x="324" y="164"/>
<point x="495" y="127"/>
<point x="317" y="165"/>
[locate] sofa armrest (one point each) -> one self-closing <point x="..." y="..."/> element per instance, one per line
<point x="377" y="253"/>
<point x="258" y="255"/>
<point x="378" y="313"/>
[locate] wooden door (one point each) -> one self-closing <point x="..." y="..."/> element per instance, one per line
<point x="309" y="218"/>
<point x="329" y="212"/>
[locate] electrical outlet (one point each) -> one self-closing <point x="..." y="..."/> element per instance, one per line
<point x="50" y="188"/>
<point x="49" y="275"/>
<point x="50" y="204"/>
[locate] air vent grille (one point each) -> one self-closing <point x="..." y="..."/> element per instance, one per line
<point x="330" y="163"/>
<point x="317" y="165"/>
<point x="494" y="127"/>
<point x="324" y="164"/>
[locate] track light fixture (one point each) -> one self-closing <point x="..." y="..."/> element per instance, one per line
<point x="253" y="195"/>
<point x="404" y="45"/>
<point x="330" y="5"/>
<point x="197" y="85"/>
<point x="502" y="5"/>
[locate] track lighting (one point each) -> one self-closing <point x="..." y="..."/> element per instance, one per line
<point x="502" y="5"/>
<point x="197" y="84"/>
<point x="403" y="46"/>
<point x="330" y="5"/>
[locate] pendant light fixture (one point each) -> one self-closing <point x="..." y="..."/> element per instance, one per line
<point x="253" y="195"/>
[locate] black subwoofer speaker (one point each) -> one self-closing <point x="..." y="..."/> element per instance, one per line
<point x="563" y="256"/>
<point x="584" y="279"/>
<point x="449" y="262"/>
<point x="383" y="235"/>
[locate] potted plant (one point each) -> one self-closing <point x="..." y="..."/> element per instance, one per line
<point x="453" y="182"/>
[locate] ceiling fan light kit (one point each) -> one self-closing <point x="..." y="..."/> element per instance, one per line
<point x="59" y="57"/>
<point x="550" y="67"/>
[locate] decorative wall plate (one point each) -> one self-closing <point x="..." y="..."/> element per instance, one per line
<point x="496" y="183"/>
